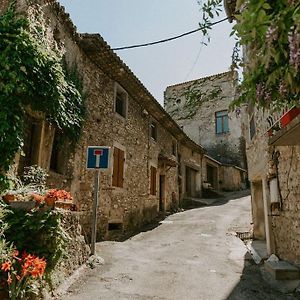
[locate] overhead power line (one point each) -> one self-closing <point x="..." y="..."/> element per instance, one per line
<point x="171" y="38"/>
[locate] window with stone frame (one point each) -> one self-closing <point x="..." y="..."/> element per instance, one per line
<point x="153" y="130"/>
<point x="32" y="138"/>
<point x="153" y="173"/>
<point x="118" y="168"/>
<point x="221" y="119"/>
<point x="59" y="157"/>
<point x="121" y="102"/>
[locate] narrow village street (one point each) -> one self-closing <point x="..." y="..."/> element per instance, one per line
<point x="191" y="255"/>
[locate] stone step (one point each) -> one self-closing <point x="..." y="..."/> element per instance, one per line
<point x="282" y="270"/>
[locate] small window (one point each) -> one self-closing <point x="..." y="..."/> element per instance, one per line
<point x="59" y="157"/>
<point x="121" y="102"/>
<point x="222" y="122"/>
<point x="174" y="148"/>
<point x="152" y="181"/>
<point x="153" y="130"/>
<point x="252" y="127"/>
<point x="118" y="168"/>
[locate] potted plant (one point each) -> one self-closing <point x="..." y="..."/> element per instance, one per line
<point x="59" y="198"/>
<point x="289" y="116"/>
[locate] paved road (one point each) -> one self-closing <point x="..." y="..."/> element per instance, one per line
<point x="192" y="255"/>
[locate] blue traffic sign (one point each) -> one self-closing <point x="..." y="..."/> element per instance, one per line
<point x="98" y="157"/>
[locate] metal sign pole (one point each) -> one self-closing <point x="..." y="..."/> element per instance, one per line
<point x="95" y="207"/>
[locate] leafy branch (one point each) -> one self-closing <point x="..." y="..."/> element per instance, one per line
<point x="269" y="33"/>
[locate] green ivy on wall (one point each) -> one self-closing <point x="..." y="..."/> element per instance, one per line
<point x="32" y="75"/>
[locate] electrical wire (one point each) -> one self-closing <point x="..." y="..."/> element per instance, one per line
<point x="196" y="60"/>
<point x="169" y="39"/>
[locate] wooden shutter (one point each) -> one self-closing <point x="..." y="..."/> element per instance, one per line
<point x="115" y="168"/>
<point x="121" y="168"/>
<point x="152" y="181"/>
<point x="118" y="168"/>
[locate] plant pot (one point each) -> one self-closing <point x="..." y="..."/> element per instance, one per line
<point x="68" y="205"/>
<point x="25" y="205"/>
<point x="50" y="201"/>
<point x="289" y="116"/>
<point x="8" y="198"/>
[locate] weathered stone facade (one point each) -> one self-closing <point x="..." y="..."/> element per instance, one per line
<point x="77" y="252"/>
<point x="223" y="177"/>
<point x="196" y="105"/>
<point x="143" y="134"/>
<point x="275" y="186"/>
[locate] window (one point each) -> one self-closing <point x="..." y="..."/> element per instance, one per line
<point x="222" y="122"/>
<point x="174" y="148"/>
<point x="59" y="157"/>
<point x="121" y="102"/>
<point x="252" y="127"/>
<point x="118" y="168"/>
<point x="153" y="130"/>
<point x="152" y="180"/>
<point x="32" y="141"/>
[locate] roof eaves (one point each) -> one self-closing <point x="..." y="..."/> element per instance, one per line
<point x="94" y="45"/>
<point x="223" y="74"/>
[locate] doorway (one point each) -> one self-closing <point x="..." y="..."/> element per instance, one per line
<point x="162" y="192"/>
<point x="190" y="182"/>
<point x="212" y="176"/>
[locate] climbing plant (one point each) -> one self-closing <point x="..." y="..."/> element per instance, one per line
<point x="32" y="75"/>
<point x="269" y="32"/>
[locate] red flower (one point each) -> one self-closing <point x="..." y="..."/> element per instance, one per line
<point x="9" y="279"/>
<point x="6" y="266"/>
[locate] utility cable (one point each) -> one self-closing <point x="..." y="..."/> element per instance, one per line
<point x="196" y="60"/>
<point x="171" y="38"/>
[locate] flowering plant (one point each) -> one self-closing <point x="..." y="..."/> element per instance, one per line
<point x="59" y="194"/>
<point x="269" y="32"/>
<point x="20" y="274"/>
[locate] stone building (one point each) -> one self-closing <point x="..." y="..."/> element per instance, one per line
<point x="273" y="156"/>
<point x="273" y="168"/>
<point x="202" y="109"/>
<point x="222" y="176"/>
<point x="154" y="164"/>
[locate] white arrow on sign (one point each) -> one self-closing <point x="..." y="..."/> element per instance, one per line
<point x="98" y="153"/>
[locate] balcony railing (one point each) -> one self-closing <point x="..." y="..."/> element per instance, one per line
<point x="284" y="127"/>
<point x="278" y="120"/>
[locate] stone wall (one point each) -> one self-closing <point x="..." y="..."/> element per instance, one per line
<point x="232" y="178"/>
<point x="278" y="224"/>
<point x="3" y="5"/>
<point x="193" y="105"/>
<point x="77" y="252"/>
<point x="286" y="225"/>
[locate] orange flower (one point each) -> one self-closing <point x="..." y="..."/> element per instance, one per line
<point x="9" y="279"/>
<point x="39" y="266"/>
<point x="6" y="266"/>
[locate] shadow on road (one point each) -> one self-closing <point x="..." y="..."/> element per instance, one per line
<point x="252" y="285"/>
<point x="204" y="202"/>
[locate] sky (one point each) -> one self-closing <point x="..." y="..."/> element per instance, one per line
<point x="127" y="22"/>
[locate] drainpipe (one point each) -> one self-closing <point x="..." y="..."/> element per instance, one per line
<point x="267" y="215"/>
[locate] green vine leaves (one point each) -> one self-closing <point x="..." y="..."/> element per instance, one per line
<point x="32" y="74"/>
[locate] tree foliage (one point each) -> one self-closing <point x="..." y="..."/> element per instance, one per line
<point x="269" y="32"/>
